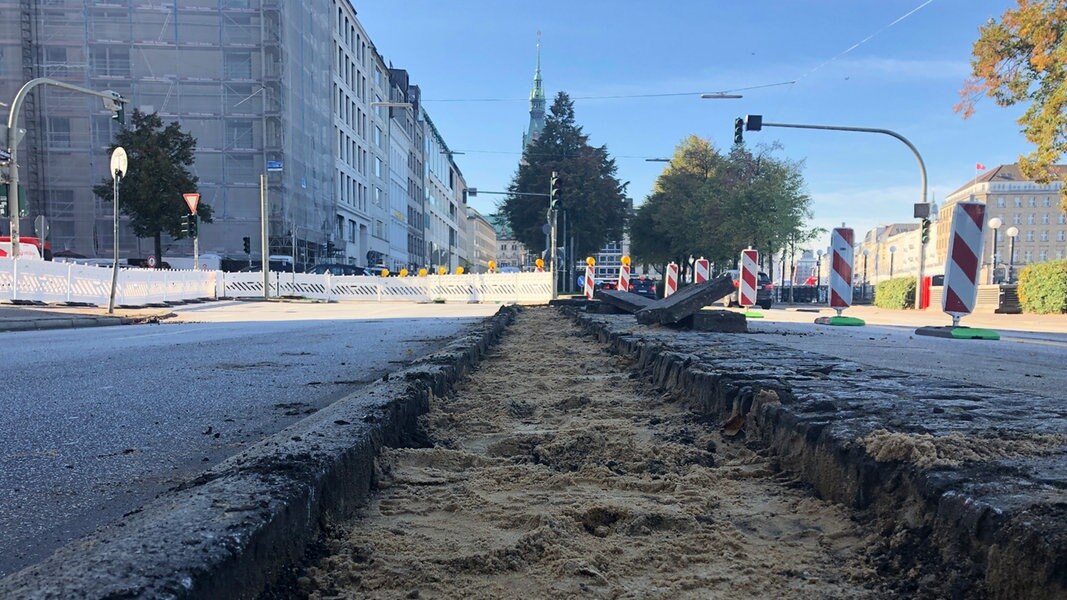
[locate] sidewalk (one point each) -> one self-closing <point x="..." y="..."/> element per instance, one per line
<point x="33" y="318"/>
<point x="933" y="316"/>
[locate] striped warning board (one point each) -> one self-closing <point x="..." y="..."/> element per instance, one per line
<point x="702" y="272"/>
<point x="964" y="252"/>
<point x="746" y="290"/>
<point x="624" y="275"/>
<point x="671" y="284"/>
<point x="589" y="282"/>
<point x="841" y="268"/>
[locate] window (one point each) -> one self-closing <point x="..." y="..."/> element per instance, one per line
<point x="239" y="134"/>
<point x="1044" y="236"/>
<point x="377" y="136"/>
<point x="1030" y="219"/>
<point x="59" y="132"/>
<point x="1044" y="219"/>
<point x="1033" y="202"/>
<point x="236" y="65"/>
<point x="1016" y="219"/>
<point x="1048" y="202"/>
<point x="1018" y="202"/>
<point x="1028" y="256"/>
<point x="1063" y="219"/>
<point x="1030" y="235"/>
<point x="1000" y="202"/>
<point x="111" y="61"/>
<point x="378" y="196"/>
<point x="1043" y="256"/>
<point x="1061" y="236"/>
<point x="377" y="166"/>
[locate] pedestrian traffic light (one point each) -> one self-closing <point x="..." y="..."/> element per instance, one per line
<point x="554" y="193"/>
<point x="248" y="245"/>
<point x="925" y="231"/>
<point x="739" y="128"/>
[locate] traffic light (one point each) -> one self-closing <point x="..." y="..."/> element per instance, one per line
<point x="739" y="128"/>
<point x="120" y="114"/>
<point x="554" y="193"/>
<point x="194" y="225"/>
<point x="185" y="225"/>
<point x="925" y="230"/>
<point x="248" y="244"/>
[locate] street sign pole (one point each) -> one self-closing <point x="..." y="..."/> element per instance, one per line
<point x="119" y="163"/>
<point x="265" y="264"/>
<point x="192" y="201"/>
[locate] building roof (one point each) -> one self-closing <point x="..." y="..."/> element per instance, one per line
<point x="1008" y="173"/>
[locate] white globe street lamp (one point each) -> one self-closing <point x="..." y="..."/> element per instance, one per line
<point x="995" y="223"/>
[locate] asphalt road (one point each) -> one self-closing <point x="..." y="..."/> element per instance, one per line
<point x="97" y="421"/>
<point x="1031" y="361"/>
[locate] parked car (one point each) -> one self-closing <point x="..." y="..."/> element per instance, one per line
<point x="337" y="269"/>
<point x="607" y="285"/>
<point x="764" y="290"/>
<point x="643" y="287"/>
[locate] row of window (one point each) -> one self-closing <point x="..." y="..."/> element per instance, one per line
<point x="1061" y="236"/>
<point x="1018" y="202"/>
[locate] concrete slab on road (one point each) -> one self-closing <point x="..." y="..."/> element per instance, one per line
<point x="98" y="421"/>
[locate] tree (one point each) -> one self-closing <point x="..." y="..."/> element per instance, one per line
<point x="594" y="200"/>
<point x="151" y="192"/>
<point x="1021" y="58"/>
<point x="713" y="205"/>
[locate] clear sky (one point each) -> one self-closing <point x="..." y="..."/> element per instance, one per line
<point x="905" y="78"/>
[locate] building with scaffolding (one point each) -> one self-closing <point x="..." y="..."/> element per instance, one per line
<point x="296" y="86"/>
<point x="244" y="77"/>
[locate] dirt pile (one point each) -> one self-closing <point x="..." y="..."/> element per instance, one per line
<point x="928" y="451"/>
<point x="554" y="474"/>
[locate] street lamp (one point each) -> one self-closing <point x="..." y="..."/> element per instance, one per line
<point x="1011" y="232"/>
<point x="892" y="251"/>
<point x="720" y="96"/>
<point x="818" y="273"/>
<point x="865" y="252"/>
<point x="995" y="223"/>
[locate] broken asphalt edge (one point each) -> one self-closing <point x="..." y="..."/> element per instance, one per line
<point x="235" y="529"/>
<point x="1015" y="550"/>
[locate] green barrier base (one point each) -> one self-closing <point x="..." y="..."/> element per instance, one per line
<point x="840" y="321"/>
<point x="751" y="314"/>
<point x="959" y="333"/>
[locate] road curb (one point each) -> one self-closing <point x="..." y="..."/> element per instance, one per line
<point x="996" y="527"/>
<point x="77" y="322"/>
<point x="235" y="529"/>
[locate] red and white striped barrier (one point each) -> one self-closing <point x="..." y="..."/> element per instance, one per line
<point x="746" y="290"/>
<point x="702" y="272"/>
<point x="590" y="283"/>
<point x="841" y="269"/>
<point x="624" y="275"/>
<point x="964" y="258"/>
<point x="670" y="285"/>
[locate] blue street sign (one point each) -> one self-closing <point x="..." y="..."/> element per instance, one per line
<point x="274" y="166"/>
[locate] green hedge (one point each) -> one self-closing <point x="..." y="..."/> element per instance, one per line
<point x="1043" y="287"/>
<point x="898" y="292"/>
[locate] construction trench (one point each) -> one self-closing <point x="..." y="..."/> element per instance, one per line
<point x="562" y="453"/>
<point x="559" y="469"/>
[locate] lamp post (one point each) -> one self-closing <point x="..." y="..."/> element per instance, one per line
<point x="995" y="223"/>
<point x="865" y="252"/>
<point x="119" y="164"/>
<point x="892" y="251"/>
<point x="818" y="273"/>
<point x="1011" y="232"/>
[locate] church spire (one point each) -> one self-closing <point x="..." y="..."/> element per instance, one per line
<point x="537" y="102"/>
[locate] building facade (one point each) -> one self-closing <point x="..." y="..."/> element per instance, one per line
<point x="1033" y="209"/>
<point x="296" y="86"/>
<point x="481" y="241"/>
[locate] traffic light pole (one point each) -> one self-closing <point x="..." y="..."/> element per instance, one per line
<point x="914" y="150"/>
<point x="264" y="261"/>
<point x="13" y="142"/>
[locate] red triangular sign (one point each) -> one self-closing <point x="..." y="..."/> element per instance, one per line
<point x="192" y="200"/>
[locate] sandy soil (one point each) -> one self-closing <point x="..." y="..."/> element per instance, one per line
<point x="556" y="475"/>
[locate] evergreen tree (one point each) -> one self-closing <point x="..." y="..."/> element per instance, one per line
<point x="151" y="192"/>
<point x="594" y="200"/>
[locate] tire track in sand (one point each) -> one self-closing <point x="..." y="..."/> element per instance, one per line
<point x="556" y="475"/>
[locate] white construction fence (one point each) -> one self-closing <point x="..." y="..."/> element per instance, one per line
<point x="58" y="282"/>
<point x="523" y="288"/>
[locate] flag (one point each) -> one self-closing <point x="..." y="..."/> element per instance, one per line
<point x="979" y="167"/>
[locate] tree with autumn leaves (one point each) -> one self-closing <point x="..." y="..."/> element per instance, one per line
<point x="1023" y="58"/>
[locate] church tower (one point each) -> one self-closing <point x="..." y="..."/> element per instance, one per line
<point x="537" y="103"/>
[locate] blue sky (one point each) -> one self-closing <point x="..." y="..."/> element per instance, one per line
<point x="906" y="78"/>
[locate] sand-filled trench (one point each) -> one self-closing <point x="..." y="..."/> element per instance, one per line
<point x="555" y="474"/>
